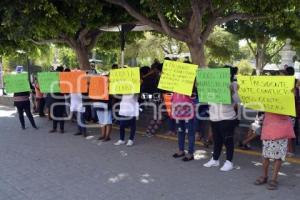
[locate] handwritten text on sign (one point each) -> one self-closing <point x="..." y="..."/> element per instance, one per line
<point x="124" y="81"/>
<point x="178" y="77"/>
<point x="268" y="93"/>
<point x="214" y="85"/>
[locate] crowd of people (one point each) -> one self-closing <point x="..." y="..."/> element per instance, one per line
<point x="277" y="131"/>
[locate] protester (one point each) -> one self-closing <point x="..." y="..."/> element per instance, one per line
<point x="58" y="109"/>
<point x="22" y="103"/>
<point x="223" y="123"/>
<point x="129" y="111"/>
<point x="39" y="98"/>
<point x="77" y="108"/>
<point x="276" y="131"/>
<point x="183" y="112"/>
<point x="150" y="88"/>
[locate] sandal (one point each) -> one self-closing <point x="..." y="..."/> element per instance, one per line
<point x="106" y="139"/>
<point x="186" y="159"/>
<point x="272" y="185"/>
<point x="101" y="138"/>
<point x="261" y="180"/>
<point x="176" y="155"/>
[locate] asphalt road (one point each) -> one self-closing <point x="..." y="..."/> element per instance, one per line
<point x="36" y="165"/>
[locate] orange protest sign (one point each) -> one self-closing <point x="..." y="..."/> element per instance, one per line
<point x="73" y="82"/>
<point x="98" y="88"/>
<point x="168" y="103"/>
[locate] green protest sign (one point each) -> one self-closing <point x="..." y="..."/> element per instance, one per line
<point x="49" y="82"/>
<point x="214" y="85"/>
<point x="16" y="83"/>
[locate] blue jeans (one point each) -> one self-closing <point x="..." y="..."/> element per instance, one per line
<point x="186" y="128"/>
<point x="128" y="122"/>
<point x="171" y="124"/>
<point x="81" y="122"/>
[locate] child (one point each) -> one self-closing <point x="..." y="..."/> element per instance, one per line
<point x="276" y="131"/>
<point x="129" y="111"/>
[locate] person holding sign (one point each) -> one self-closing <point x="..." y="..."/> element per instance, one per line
<point x="183" y="111"/>
<point x="58" y="109"/>
<point x="22" y="103"/>
<point x="223" y="122"/>
<point x="276" y="131"/>
<point x="129" y="111"/>
<point x="102" y="103"/>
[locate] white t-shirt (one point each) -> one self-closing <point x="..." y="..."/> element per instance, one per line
<point x="219" y="112"/>
<point x="129" y="106"/>
<point x="76" y="103"/>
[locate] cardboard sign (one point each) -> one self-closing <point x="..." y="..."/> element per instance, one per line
<point x="73" y="82"/>
<point x="98" y="87"/>
<point x="178" y="77"/>
<point x="268" y="93"/>
<point x="15" y="83"/>
<point x="124" y="81"/>
<point x="214" y="85"/>
<point x="49" y="82"/>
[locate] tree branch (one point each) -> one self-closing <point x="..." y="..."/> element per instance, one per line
<point x="163" y="27"/>
<point x="47" y="41"/>
<point x="237" y="16"/>
<point x="276" y="52"/>
<point x="94" y="36"/>
<point x="82" y="34"/>
<point x="251" y="47"/>
<point x="195" y="21"/>
<point x="208" y="29"/>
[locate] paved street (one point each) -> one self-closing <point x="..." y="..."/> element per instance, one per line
<point x="36" y="165"/>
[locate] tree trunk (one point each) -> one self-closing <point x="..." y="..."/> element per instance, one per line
<point x="83" y="58"/>
<point x="197" y="54"/>
<point x="260" y="60"/>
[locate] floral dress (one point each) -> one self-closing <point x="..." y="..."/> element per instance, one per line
<point x="276" y="131"/>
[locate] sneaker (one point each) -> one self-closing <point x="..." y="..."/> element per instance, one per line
<point x="129" y="143"/>
<point x="228" y="166"/>
<point x="212" y="163"/>
<point x="120" y="142"/>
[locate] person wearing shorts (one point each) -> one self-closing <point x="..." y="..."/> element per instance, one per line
<point x="104" y="113"/>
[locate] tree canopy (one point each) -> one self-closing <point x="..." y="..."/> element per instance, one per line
<point x="193" y="21"/>
<point x="74" y="23"/>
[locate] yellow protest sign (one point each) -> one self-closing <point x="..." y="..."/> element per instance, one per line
<point x="124" y="81"/>
<point x="268" y="93"/>
<point x="178" y="77"/>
